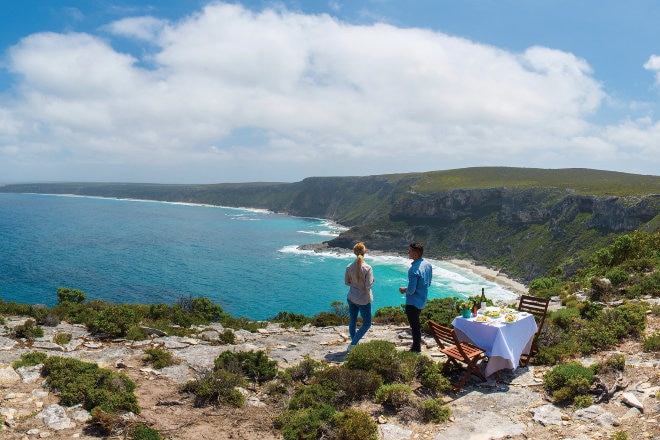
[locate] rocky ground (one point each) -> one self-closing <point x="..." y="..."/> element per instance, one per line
<point x="513" y="405"/>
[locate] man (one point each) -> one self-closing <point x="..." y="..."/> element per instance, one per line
<point x="417" y="292"/>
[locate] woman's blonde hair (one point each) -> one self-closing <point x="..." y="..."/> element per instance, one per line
<point x="359" y="250"/>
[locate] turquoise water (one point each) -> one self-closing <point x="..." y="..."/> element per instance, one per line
<point x="245" y="260"/>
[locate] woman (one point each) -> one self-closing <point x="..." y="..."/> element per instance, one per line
<point x="359" y="277"/>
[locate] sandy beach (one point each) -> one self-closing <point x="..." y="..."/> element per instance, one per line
<point x="491" y="275"/>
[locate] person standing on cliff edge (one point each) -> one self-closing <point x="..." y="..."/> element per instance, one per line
<point x="417" y="292"/>
<point x="360" y="278"/>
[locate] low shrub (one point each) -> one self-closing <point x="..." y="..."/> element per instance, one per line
<point x="30" y="359"/>
<point x="88" y="384"/>
<point x="351" y="385"/>
<point x="305" y="424"/>
<point x="435" y="411"/>
<point x="305" y="370"/>
<point x="136" y="333"/>
<point x="382" y="358"/>
<point x="354" y="425"/>
<point x="617" y="276"/>
<point x="652" y="342"/>
<point x="434" y="380"/>
<point x="227" y="336"/>
<point x="159" y="358"/>
<point x="75" y="296"/>
<point x="393" y="395"/>
<point x="28" y="330"/>
<point x="567" y="381"/>
<point x="313" y="396"/>
<point x="390" y="315"/>
<point x="254" y="365"/>
<point x="327" y="319"/>
<point x="216" y="388"/>
<point x="144" y="432"/>
<point x="62" y="338"/>
<point x="582" y="401"/>
<point x="113" y="321"/>
<point x="289" y="319"/>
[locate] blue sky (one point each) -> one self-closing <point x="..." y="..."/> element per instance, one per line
<point x="191" y="91"/>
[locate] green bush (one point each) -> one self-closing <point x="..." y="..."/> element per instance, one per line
<point x="355" y="425"/>
<point x="617" y="276"/>
<point x="305" y="370"/>
<point x="567" y="381"/>
<point x="382" y="358"/>
<point x="88" y="384"/>
<point x="433" y="379"/>
<point x="620" y="435"/>
<point x="64" y="294"/>
<point x="254" y="365"/>
<point x="28" y="330"/>
<point x="434" y="410"/>
<point x="136" y="333"/>
<point x="290" y="319"/>
<point x="216" y="388"/>
<point x="114" y="321"/>
<point x="390" y="315"/>
<point x="652" y="342"/>
<point x="394" y="395"/>
<point x="313" y="396"/>
<point x="327" y="319"/>
<point x="305" y="424"/>
<point x="351" y="385"/>
<point x="30" y="359"/>
<point x="565" y="318"/>
<point x="144" y="432"/>
<point x="159" y="358"/>
<point x="62" y="338"/>
<point x="227" y="336"/>
<point x="582" y="401"/>
<point x="440" y="310"/>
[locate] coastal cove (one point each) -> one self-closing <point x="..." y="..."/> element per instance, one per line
<point x="248" y="261"/>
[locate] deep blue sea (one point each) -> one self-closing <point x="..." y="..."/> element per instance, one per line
<point x="245" y="260"/>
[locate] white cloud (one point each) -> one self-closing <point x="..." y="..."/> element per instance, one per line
<point x="653" y="63"/>
<point x="325" y="97"/>
<point x="141" y="28"/>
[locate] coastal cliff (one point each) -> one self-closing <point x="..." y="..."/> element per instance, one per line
<point x="526" y="222"/>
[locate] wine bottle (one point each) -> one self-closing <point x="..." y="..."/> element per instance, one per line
<point x="483" y="299"/>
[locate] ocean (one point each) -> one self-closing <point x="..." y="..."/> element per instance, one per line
<point x="245" y="260"/>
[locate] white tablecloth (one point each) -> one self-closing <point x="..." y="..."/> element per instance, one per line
<point x="502" y="342"/>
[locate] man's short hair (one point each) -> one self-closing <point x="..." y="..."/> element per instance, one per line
<point x="418" y="247"/>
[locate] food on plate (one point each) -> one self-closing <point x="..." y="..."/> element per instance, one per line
<point x="481" y="318"/>
<point x="509" y="317"/>
<point x="492" y="313"/>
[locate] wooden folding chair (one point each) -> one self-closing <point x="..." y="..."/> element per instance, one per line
<point x="539" y="308"/>
<point x="456" y="352"/>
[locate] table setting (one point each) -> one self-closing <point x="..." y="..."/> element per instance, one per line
<point x="503" y="333"/>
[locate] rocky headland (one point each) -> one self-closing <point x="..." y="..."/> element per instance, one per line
<point x="513" y="405"/>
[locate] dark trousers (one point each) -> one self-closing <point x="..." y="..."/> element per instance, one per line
<point x="413" y="313"/>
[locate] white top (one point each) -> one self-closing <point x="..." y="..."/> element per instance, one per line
<point x="360" y="290"/>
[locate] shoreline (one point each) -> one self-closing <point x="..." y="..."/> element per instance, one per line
<point x="490" y="274"/>
<point x="487" y="273"/>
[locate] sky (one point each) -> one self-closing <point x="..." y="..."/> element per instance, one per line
<point x="193" y="91"/>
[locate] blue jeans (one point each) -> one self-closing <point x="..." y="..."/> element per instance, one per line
<point x="365" y="312"/>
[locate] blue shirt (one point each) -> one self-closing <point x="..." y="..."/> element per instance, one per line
<point x="419" y="280"/>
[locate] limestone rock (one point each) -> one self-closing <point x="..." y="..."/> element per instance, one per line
<point x="8" y="375"/>
<point x="55" y="417"/>
<point x="547" y="415"/>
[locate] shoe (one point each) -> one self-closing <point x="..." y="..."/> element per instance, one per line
<point x="348" y="349"/>
<point x="412" y="350"/>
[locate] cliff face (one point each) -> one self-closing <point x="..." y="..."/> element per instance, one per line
<point x="524" y="221"/>
<point x="527" y="232"/>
